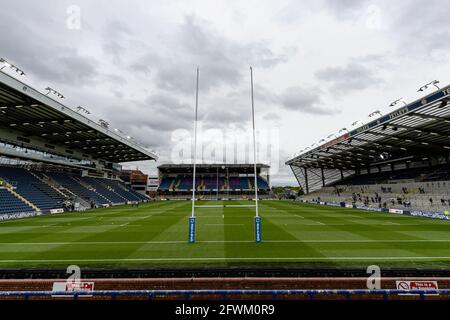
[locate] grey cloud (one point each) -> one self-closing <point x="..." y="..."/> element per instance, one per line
<point x="222" y="60"/>
<point x="49" y="61"/>
<point x="114" y="49"/>
<point x="117" y="28"/>
<point x="114" y="46"/>
<point x="295" y="10"/>
<point x="115" y="79"/>
<point x="158" y="112"/>
<point x="304" y="100"/>
<point x="346" y="8"/>
<point x="422" y="29"/>
<point x="272" y="116"/>
<point x="358" y="74"/>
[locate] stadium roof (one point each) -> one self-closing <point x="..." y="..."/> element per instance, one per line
<point x="244" y="168"/>
<point x="35" y="114"/>
<point x="417" y="130"/>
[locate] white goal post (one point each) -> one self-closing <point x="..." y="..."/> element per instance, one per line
<point x="257" y="219"/>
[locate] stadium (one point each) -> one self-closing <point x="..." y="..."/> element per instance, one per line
<point x="82" y="217"/>
<point x="63" y="202"/>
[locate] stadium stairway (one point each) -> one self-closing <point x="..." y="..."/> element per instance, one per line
<point x="11" y="202"/>
<point x="82" y="181"/>
<point x="103" y="190"/>
<point x="65" y="193"/>
<point x="120" y="189"/>
<point x="69" y="182"/>
<point x="31" y="189"/>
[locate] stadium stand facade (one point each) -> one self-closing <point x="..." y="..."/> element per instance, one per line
<point x="399" y="161"/>
<point x="54" y="159"/>
<point x="224" y="181"/>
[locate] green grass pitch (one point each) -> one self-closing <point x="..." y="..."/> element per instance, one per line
<point x="294" y="235"/>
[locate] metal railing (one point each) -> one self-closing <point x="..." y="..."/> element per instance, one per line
<point x="150" y="294"/>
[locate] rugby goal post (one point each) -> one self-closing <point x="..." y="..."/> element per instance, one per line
<point x="257" y="218"/>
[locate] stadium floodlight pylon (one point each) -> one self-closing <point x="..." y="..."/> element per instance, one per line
<point x="257" y="218"/>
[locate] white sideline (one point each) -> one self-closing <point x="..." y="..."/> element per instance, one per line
<point x="225" y="259"/>
<point x="220" y="241"/>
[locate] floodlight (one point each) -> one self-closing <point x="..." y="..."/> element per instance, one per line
<point x="343" y="129"/>
<point x="432" y="83"/>
<point x="357" y="122"/>
<point x="53" y="91"/>
<point x="374" y="113"/>
<point x="103" y="123"/>
<point x="6" y="64"/>
<point x="393" y="104"/>
<point x="83" y="109"/>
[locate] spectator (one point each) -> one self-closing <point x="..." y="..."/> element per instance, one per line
<point x="431" y="201"/>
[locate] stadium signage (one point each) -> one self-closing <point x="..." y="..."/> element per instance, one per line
<point x="11" y="216"/>
<point x="434" y="215"/>
<point x="191" y="230"/>
<point x="258" y="229"/>
<point x="53" y="211"/>
<point x="411" y="107"/>
<point x="415" y="285"/>
<point x="81" y="288"/>
<point x="398" y="113"/>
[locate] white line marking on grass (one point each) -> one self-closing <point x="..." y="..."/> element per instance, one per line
<point x="227" y="259"/>
<point x="220" y="241"/>
<point x="123" y="225"/>
<point x="224" y="224"/>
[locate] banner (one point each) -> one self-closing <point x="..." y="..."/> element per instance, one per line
<point x="398" y="211"/>
<point x="258" y="229"/>
<point x="82" y="288"/>
<point x="191" y="229"/>
<point x="416" y="285"/>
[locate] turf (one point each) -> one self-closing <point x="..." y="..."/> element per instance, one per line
<point x="294" y="234"/>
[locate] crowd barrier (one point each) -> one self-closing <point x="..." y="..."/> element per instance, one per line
<point x="186" y="294"/>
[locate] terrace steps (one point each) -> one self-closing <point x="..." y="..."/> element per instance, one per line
<point x="11" y="190"/>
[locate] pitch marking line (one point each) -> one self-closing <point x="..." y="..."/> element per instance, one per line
<point x="218" y="241"/>
<point x="227" y="259"/>
<point x="223" y="224"/>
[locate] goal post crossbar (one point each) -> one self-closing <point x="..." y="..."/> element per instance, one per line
<point x="225" y="205"/>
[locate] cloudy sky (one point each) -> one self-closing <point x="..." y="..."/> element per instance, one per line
<point x="318" y="65"/>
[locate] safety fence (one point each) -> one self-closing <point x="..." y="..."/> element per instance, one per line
<point x="224" y="294"/>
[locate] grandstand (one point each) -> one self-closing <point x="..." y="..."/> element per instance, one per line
<point x="223" y="181"/>
<point x="398" y="161"/>
<point x="54" y="159"/>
